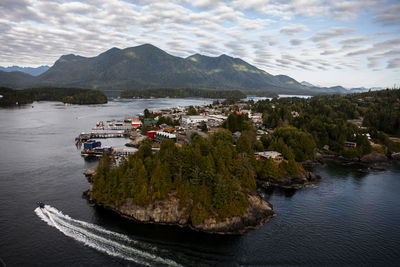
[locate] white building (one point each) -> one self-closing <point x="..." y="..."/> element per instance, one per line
<point x="276" y="156"/>
<point x="160" y="136"/>
<point x="193" y="119"/>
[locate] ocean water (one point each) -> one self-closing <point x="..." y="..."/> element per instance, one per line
<point x="349" y="218"/>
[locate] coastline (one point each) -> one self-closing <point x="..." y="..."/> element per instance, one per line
<point x="296" y="181"/>
<point x="169" y="212"/>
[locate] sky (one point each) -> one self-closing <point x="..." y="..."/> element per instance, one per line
<point x="327" y="43"/>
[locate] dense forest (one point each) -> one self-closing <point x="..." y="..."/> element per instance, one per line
<point x="210" y="176"/>
<point x="12" y="97"/>
<point x="182" y="93"/>
<point x="329" y="121"/>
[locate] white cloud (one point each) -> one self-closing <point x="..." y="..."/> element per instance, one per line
<point x="331" y="33"/>
<point x="389" y="15"/>
<point x="278" y="36"/>
<point x="393" y="63"/>
<point x="293" y="29"/>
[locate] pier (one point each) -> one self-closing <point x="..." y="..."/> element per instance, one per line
<point x="124" y="151"/>
<point x="118" y="152"/>
<point x="83" y="137"/>
<point x="114" y="127"/>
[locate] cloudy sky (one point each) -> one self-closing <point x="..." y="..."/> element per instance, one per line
<point x="350" y="43"/>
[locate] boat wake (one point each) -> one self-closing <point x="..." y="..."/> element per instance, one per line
<point x="111" y="243"/>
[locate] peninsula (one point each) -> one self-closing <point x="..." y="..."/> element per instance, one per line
<point x="200" y="166"/>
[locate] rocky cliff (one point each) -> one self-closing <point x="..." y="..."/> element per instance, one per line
<point x="169" y="212"/>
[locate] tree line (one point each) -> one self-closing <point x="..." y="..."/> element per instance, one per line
<point x="66" y="95"/>
<point x="181" y="93"/>
<point x="329" y="121"/>
<point x="210" y="176"/>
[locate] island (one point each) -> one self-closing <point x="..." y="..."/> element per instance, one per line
<point x="11" y="97"/>
<point x="207" y="185"/>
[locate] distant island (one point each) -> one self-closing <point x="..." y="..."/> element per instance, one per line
<point x="11" y="97"/>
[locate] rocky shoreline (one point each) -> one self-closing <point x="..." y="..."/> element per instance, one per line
<point x="168" y="212"/>
<point x="371" y="162"/>
<point x="297" y="181"/>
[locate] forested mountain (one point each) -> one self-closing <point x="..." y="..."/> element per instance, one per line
<point x="147" y="66"/>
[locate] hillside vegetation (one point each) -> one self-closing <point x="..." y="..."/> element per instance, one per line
<point x="66" y="95"/>
<point x="147" y="66"/>
<point x="182" y="93"/>
<point x="330" y="121"/>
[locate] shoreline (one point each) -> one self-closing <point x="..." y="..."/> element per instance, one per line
<point x="167" y="212"/>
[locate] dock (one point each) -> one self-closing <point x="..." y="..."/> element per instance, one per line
<point x="83" y="137"/>
<point x="118" y="152"/>
<point x="124" y="151"/>
<point x="113" y="128"/>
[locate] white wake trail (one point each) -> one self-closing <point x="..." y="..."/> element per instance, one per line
<point x="100" y="239"/>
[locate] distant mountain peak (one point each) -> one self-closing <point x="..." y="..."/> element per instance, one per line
<point x="307" y="84"/>
<point x="34" y="71"/>
<point x="147" y="66"/>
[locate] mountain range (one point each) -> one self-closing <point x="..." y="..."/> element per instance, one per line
<point x="147" y="66"/>
<point x="29" y="70"/>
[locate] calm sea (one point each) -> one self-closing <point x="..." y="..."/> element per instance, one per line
<point x="350" y="218"/>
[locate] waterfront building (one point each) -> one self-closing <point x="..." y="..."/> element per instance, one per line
<point x="276" y="156"/>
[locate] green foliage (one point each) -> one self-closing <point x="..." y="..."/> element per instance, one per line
<point x="181" y="93"/>
<point x="167" y="120"/>
<point x="383" y="110"/>
<point x="66" y="95"/>
<point x="209" y="176"/>
<point x="231" y="100"/>
<point x="328" y="119"/>
<point x="237" y="122"/>
<point x="268" y="169"/>
<point x="203" y="126"/>
<point x="146" y="113"/>
<point x="191" y="111"/>
<point x="291" y="141"/>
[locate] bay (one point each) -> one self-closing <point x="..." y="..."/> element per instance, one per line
<point x="349" y="218"/>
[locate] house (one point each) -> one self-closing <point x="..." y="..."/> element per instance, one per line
<point x="160" y="136"/>
<point x="150" y="122"/>
<point x="265" y="155"/>
<point x="256" y="117"/>
<point x="136" y="123"/>
<point x="129" y="119"/>
<point x="151" y="134"/>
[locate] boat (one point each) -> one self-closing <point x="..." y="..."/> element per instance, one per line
<point x="40" y="204"/>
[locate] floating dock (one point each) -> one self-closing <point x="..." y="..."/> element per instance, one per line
<point x="83" y="137"/>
